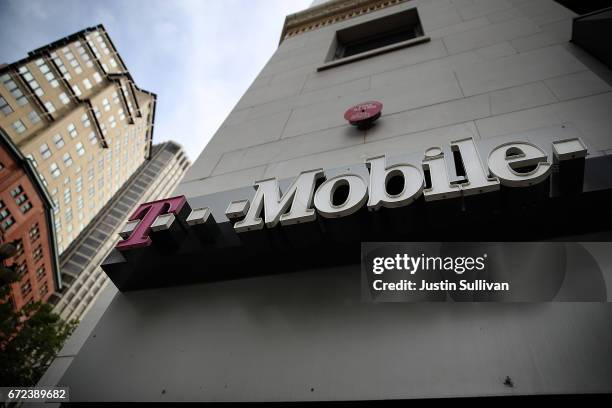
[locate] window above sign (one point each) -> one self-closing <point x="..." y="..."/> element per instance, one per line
<point x="375" y="37"/>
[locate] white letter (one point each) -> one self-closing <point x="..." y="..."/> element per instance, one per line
<point x="477" y="180"/>
<point x="377" y="282"/>
<point x="377" y="268"/>
<point x="357" y="196"/>
<point x="441" y="187"/>
<point x="297" y="199"/>
<point x="380" y="175"/>
<point x="506" y="160"/>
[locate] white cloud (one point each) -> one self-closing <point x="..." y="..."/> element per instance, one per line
<point x="225" y="45"/>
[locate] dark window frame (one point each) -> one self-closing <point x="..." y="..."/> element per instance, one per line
<point x="375" y="37"/>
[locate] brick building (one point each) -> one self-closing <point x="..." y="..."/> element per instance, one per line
<point x="26" y="219"/>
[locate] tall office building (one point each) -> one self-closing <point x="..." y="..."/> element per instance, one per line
<point x="72" y="107"/>
<point x="82" y="277"/>
<point x="26" y="221"/>
<point x="494" y="127"/>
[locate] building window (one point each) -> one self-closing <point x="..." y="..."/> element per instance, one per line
<point x="87" y="83"/>
<point x="80" y="149"/>
<point x="44" y="69"/>
<point x="44" y="289"/>
<point x="40" y="272"/>
<point x="6" y="219"/>
<point x="72" y="60"/>
<point x="106" y="104"/>
<point x="115" y="97"/>
<point x="29" y="78"/>
<point x="12" y="87"/>
<point x="112" y="121"/>
<point x="34" y="233"/>
<point x="376" y="34"/>
<point x="77" y="90"/>
<point x="68" y="215"/>
<point x="26" y="288"/>
<point x="85" y="120"/>
<point x="19" y="248"/>
<point x="92" y="138"/>
<point x="16" y="191"/>
<point x="55" y="171"/>
<point x="102" y="43"/>
<point x="50" y="107"/>
<point x="21" y="199"/>
<point x="38" y="253"/>
<point x="97" y="77"/>
<point x="83" y="54"/>
<point x="58" y="140"/>
<point x="67" y="159"/>
<point x="93" y="46"/>
<point x="64" y="98"/>
<point x="44" y="151"/>
<point x="21" y="269"/>
<point x="72" y="130"/>
<point x="5" y="107"/>
<point x="79" y="184"/>
<point x="26" y="207"/>
<point x="34" y="118"/>
<point x="19" y="126"/>
<point x="67" y="196"/>
<point x="60" y="64"/>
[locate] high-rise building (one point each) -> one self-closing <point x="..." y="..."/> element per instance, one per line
<point x="477" y="120"/>
<point x="73" y="108"/>
<point x="82" y="277"/>
<point x="26" y="220"/>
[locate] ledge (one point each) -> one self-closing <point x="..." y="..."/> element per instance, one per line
<point x="373" y="53"/>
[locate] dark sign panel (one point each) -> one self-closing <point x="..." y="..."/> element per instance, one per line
<point x="510" y="189"/>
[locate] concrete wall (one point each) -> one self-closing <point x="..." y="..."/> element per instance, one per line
<point x="307" y="336"/>
<point x="492" y="67"/>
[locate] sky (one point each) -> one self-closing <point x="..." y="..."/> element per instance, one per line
<point x="198" y="56"/>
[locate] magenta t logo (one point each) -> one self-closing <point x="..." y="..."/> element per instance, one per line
<point x="147" y="213"/>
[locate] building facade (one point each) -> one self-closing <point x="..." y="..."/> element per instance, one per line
<point x="281" y="317"/>
<point x="83" y="279"/>
<point x="72" y="107"/>
<point x="26" y="220"/>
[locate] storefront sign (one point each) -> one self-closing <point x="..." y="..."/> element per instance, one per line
<point x="515" y="165"/>
<point x="510" y="188"/>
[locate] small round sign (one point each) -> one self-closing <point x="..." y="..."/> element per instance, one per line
<point x="364" y="114"/>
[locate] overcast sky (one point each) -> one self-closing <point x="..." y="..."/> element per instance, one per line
<point x="199" y="56"/>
